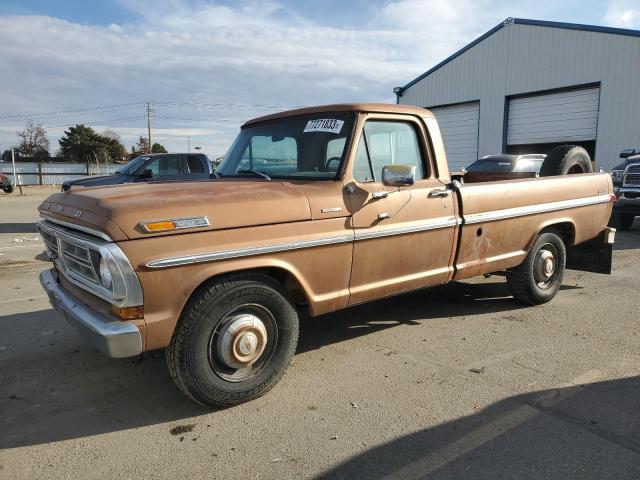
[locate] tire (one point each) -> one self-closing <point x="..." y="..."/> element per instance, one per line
<point x="624" y="221"/>
<point x="566" y="160"/>
<point x="8" y="189"/>
<point x="223" y="314"/>
<point x="528" y="282"/>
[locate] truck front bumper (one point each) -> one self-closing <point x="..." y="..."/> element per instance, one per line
<point x="114" y="338"/>
<point x="628" y="201"/>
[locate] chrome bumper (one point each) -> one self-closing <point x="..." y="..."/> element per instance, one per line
<point x="114" y="338"/>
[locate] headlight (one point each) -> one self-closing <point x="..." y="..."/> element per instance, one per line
<point x="616" y="175"/>
<point x="105" y="274"/>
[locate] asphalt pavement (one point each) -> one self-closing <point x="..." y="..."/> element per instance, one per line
<point x="454" y="382"/>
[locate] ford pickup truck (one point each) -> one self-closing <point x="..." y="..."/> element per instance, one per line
<point x="317" y="209"/>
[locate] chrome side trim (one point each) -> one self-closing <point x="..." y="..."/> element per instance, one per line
<point x="246" y="252"/>
<point x="423" y="227"/>
<point x="74" y="226"/>
<point x="281" y="247"/>
<point x="114" y="338"/>
<point x="534" y="209"/>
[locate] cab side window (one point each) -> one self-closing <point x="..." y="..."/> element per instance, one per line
<point x="164" y="165"/>
<point x="387" y="143"/>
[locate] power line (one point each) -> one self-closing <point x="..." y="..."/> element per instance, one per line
<point x="94" y="122"/>
<point x="204" y="120"/>
<point x="222" y="106"/>
<point x="70" y="112"/>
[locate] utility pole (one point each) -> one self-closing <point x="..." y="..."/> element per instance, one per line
<point x="16" y="180"/>
<point x="150" y="110"/>
<point x="188" y="144"/>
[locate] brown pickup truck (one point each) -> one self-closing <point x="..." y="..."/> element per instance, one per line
<point x="319" y="208"/>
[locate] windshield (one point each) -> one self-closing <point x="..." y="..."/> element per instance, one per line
<point x="134" y="164"/>
<point x="309" y="147"/>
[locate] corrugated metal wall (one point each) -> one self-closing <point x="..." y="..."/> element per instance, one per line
<point x="570" y="115"/>
<point x="53" y="173"/>
<point x="459" y="127"/>
<point x="520" y="59"/>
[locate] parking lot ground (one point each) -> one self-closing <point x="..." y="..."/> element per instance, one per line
<point x="453" y="382"/>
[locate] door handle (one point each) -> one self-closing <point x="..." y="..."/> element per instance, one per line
<point x="376" y="195"/>
<point x="439" y="193"/>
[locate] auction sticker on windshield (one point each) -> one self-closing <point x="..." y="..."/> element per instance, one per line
<point x="329" y="125"/>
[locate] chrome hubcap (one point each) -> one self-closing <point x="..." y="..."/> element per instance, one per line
<point x="545" y="266"/>
<point x="241" y="341"/>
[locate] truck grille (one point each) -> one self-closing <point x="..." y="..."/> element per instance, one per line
<point x="632" y="175"/>
<point x="78" y="260"/>
<point x="72" y="256"/>
<point x="50" y="242"/>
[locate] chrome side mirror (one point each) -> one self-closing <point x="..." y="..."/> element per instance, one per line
<point x="398" y="175"/>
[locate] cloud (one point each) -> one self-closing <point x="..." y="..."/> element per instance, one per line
<point x="260" y="54"/>
<point x="625" y="14"/>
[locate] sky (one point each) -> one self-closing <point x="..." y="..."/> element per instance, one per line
<point x="207" y="66"/>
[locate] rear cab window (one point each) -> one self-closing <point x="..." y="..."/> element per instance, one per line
<point x="194" y="164"/>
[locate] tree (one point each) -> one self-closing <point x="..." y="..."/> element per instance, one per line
<point x="79" y="144"/>
<point x="157" y="148"/>
<point x="83" y="144"/>
<point x="142" y="146"/>
<point x="34" y="141"/>
<point x="115" y="149"/>
<point x="6" y="155"/>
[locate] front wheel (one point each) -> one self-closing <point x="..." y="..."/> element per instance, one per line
<point x="539" y="277"/>
<point x="233" y="341"/>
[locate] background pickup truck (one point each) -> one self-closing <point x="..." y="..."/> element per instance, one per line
<point x="324" y="208"/>
<point x="626" y="182"/>
<point x="158" y="167"/>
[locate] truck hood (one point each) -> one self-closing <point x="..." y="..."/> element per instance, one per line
<point x="99" y="180"/>
<point x="118" y="210"/>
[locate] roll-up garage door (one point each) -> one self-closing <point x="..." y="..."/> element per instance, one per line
<point x="459" y="128"/>
<point x="568" y="116"/>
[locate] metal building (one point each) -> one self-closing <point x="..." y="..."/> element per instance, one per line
<point x="528" y="85"/>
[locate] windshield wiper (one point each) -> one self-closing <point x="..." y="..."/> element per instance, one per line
<point x="254" y="172"/>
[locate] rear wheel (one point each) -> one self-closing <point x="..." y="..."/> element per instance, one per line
<point x="566" y="160"/>
<point x="538" y="279"/>
<point x="234" y="340"/>
<point x="8" y="189"/>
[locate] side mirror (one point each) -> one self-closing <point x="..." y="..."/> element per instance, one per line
<point x="146" y="173"/>
<point x="398" y="175"/>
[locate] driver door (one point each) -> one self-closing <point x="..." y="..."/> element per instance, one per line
<point x="404" y="237"/>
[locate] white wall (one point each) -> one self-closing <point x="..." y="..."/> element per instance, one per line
<point x="524" y="58"/>
<point x="53" y="173"/>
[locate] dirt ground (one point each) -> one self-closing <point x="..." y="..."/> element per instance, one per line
<point x="454" y="382"/>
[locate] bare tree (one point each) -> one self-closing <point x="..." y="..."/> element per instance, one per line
<point x="34" y="141"/>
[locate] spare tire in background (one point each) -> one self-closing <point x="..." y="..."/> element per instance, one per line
<point x="566" y="160"/>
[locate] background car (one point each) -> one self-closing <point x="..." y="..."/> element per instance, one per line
<point x="5" y="183"/>
<point x="503" y="167"/>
